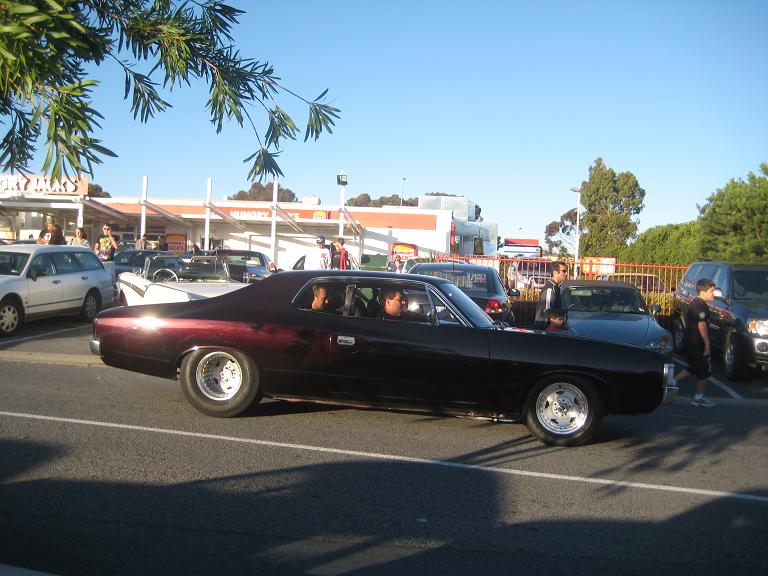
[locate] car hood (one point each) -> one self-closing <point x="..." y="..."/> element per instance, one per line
<point x="636" y="329"/>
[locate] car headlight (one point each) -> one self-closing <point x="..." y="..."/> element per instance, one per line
<point x="663" y="345"/>
<point x="757" y="327"/>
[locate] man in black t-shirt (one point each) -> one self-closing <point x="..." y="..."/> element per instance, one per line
<point x="697" y="341"/>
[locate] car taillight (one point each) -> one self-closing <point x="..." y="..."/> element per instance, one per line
<point x="492" y="306"/>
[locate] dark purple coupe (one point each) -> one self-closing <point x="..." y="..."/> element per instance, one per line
<point x="331" y="336"/>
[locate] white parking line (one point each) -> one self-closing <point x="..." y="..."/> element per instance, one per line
<point x="395" y="458"/>
<point x="17" y="340"/>
<point x="716" y="382"/>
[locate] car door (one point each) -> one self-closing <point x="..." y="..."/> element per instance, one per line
<point x="410" y="361"/>
<point x="74" y="280"/>
<point x="43" y="286"/>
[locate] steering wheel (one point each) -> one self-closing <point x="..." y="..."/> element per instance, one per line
<point x="164" y="275"/>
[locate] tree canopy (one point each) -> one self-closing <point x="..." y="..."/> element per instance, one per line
<point x="96" y="191"/>
<point x="610" y="202"/>
<point x="560" y="235"/>
<point x="667" y="244"/>
<point x="365" y="200"/>
<point x="734" y="220"/>
<point x="263" y="193"/>
<point x="45" y="92"/>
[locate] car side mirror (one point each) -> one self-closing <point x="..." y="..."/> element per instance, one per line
<point x="718" y="294"/>
<point x="432" y="317"/>
<point x="655" y="310"/>
<point x="35" y="273"/>
<point x="513" y="292"/>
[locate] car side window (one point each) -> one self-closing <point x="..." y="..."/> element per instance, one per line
<point x="88" y="261"/>
<point x="65" y="263"/>
<point x="42" y="265"/>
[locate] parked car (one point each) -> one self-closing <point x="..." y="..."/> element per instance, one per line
<point x="38" y="281"/>
<point x="614" y="311"/>
<point x="167" y="278"/>
<point x="130" y="260"/>
<point x="254" y="264"/>
<point x="647" y="283"/>
<point x="481" y="283"/>
<point x="528" y="273"/>
<point x="446" y="356"/>
<point x="738" y="315"/>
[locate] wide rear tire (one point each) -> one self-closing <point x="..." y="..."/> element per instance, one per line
<point x="220" y="382"/>
<point x="563" y="410"/>
<point x="734" y="358"/>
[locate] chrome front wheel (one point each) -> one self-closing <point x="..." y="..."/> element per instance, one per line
<point x="11" y="317"/>
<point x="564" y="411"/>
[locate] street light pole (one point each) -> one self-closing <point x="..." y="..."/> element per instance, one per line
<point x="341" y="180"/>
<point x="578" y="232"/>
<point x="402" y="191"/>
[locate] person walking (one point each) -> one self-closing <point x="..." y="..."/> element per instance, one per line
<point x="57" y="236"/>
<point x="162" y="244"/>
<point x="45" y="234"/>
<point x="80" y="238"/>
<point x="318" y="257"/>
<point x="697" y="343"/>
<point x="549" y="297"/>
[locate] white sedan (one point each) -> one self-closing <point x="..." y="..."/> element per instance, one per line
<point x="37" y="281"/>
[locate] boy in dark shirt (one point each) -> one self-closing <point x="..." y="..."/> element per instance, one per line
<point x="697" y="341"/>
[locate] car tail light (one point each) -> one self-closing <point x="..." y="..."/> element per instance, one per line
<point x="492" y="306"/>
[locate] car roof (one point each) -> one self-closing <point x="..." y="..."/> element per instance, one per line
<point x="32" y="248"/>
<point x="734" y="266"/>
<point x="607" y="284"/>
<point x="452" y="266"/>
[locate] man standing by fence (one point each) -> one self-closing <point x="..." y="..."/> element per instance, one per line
<point x="549" y="297"/>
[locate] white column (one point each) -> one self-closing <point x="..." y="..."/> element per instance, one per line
<point x="80" y="218"/>
<point x="341" y="210"/>
<point x="207" y="233"/>
<point x="143" y="208"/>
<point x="273" y="233"/>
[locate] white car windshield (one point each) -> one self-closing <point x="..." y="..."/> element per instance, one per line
<point x="12" y="263"/>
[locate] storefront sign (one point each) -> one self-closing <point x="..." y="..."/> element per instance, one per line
<point x="36" y="186"/>
<point x="404" y="250"/>
<point x="176" y="242"/>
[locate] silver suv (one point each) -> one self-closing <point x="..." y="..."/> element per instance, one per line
<point x="40" y="281"/>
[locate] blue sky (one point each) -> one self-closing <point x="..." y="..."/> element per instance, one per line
<point x="505" y="102"/>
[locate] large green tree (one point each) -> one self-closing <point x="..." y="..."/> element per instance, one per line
<point x="611" y="201"/>
<point x="734" y="220"/>
<point x="263" y="193"/>
<point x="667" y="244"/>
<point x="46" y="46"/>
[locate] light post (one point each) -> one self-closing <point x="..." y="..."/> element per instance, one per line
<point x="578" y="232"/>
<point x="402" y="191"/>
<point x="341" y="180"/>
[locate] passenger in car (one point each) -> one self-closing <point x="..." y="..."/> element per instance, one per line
<point x="323" y="301"/>
<point x="392" y="304"/>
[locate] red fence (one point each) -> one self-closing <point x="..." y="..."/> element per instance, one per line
<point x="655" y="281"/>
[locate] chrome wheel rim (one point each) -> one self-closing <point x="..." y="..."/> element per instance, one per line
<point x="91" y="306"/>
<point x="562" y="408"/>
<point x="219" y="376"/>
<point x="9" y="318"/>
<point x="729" y="355"/>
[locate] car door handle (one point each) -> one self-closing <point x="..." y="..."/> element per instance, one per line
<point x="55" y="281"/>
<point x="345" y="340"/>
<point x="83" y="277"/>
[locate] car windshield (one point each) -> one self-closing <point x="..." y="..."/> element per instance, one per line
<point x="471" y="281"/>
<point x="613" y="300"/>
<point x="750" y="284"/>
<point x="12" y="263"/>
<point x="466" y="305"/>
